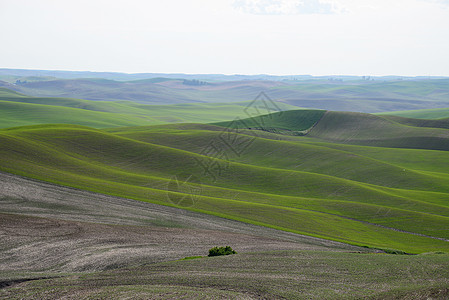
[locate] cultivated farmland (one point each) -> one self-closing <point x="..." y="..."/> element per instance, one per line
<point x="106" y="199"/>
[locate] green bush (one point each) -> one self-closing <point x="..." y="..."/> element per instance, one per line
<point x="217" y="251"/>
<point x="392" y="251"/>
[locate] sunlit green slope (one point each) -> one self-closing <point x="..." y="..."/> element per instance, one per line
<point x="19" y="110"/>
<point x="295" y="183"/>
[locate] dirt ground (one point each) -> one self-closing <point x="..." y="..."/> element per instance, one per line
<point x="62" y="243"/>
<point x="50" y="228"/>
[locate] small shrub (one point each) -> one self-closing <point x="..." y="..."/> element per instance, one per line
<point x="396" y="252"/>
<point x="217" y="251"/>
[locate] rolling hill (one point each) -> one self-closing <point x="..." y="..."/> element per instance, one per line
<point x="352" y="128"/>
<point x="371" y="130"/>
<point x="377" y="95"/>
<point x="312" y="200"/>
<point x="437" y="113"/>
<point x="18" y="110"/>
<point x="294" y="122"/>
<point x="314" y="185"/>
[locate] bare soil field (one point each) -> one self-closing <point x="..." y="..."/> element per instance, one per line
<point x="261" y="275"/>
<point x="63" y="243"/>
<point x="44" y="227"/>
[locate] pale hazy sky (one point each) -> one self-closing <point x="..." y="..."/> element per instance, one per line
<point x="318" y="37"/>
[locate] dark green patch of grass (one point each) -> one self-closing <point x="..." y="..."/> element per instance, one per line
<point x="192" y="257"/>
<point x="295" y="122"/>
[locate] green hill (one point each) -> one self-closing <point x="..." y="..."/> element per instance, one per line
<point x="437" y="113"/>
<point x="295" y="122"/>
<point x="352" y="128"/>
<point x="298" y="184"/>
<point x="19" y="110"/>
<point x="372" y="130"/>
<point x="439" y="123"/>
<point x="4" y="92"/>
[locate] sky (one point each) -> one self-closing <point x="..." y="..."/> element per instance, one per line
<point x="284" y="37"/>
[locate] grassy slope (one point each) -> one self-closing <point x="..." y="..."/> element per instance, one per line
<point x="292" y="120"/>
<point x="314" y="198"/>
<point x="437" y="113"/>
<point x="365" y="129"/>
<point x="440" y="123"/>
<point x="321" y="159"/>
<point x="20" y="114"/>
<point x="18" y="110"/>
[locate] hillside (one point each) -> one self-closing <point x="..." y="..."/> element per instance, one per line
<point x="76" y="233"/>
<point x="18" y="110"/>
<point x="313" y="189"/>
<point x="372" y="130"/>
<point x="294" y="122"/>
<point x="352" y="128"/>
<point x="437" y="113"/>
<point x="296" y="192"/>
<point x="432" y="123"/>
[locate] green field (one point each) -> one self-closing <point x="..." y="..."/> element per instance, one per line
<point x="382" y="131"/>
<point x="19" y="110"/>
<point x="436" y="113"/>
<point x="316" y="185"/>
<point x="293" y="122"/>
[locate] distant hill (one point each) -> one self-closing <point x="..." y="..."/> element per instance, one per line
<point x="336" y="93"/>
<point x="16" y="73"/>
<point x="155" y="91"/>
<point x="437" y="113"/>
